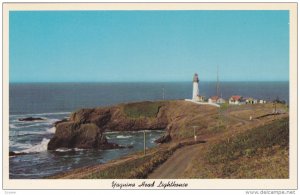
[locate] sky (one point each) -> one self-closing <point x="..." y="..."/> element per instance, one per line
<point x="147" y="46"/>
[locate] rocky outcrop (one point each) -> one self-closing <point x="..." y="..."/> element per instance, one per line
<point x="31" y="119"/>
<point x="164" y="139"/>
<point x="60" y="121"/>
<point x="79" y="135"/>
<point x="16" y="153"/>
<point x="85" y="128"/>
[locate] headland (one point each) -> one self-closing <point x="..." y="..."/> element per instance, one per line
<point x="192" y="132"/>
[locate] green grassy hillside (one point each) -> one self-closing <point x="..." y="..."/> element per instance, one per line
<point x="142" y="109"/>
<point x="258" y="153"/>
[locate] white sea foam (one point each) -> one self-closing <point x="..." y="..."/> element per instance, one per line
<point x="78" y="149"/>
<point x="12" y="126"/>
<point x="31" y="125"/>
<point x="20" y="145"/>
<point x="51" y="121"/>
<point x="18" y="133"/>
<point x="25" y="124"/>
<point x="153" y="140"/>
<point x="68" y="149"/>
<point x="63" y="150"/>
<point x="41" y="114"/>
<point x="112" y="132"/>
<point x="51" y="130"/>
<point x="123" y="136"/>
<point x="36" y="148"/>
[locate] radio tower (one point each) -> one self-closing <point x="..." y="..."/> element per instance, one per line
<point x="218" y="84"/>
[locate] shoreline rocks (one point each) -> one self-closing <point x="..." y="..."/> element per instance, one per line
<point x="16" y="154"/>
<point x="85" y="128"/>
<point x="31" y="119"/>
<point x="164" y="139"/>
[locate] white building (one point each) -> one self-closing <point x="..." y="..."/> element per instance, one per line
<point x="195" y="87"/>
<point x="262" y="101"/>
<point x="236" y="99"/>
<point x="216" y="100"/>
<point x="251" y="100"/>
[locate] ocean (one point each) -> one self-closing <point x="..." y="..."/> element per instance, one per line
<point x="55" y="101"/>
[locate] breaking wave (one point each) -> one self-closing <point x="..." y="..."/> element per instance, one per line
<point x="41" y="114"/>
<point x="41" y="147"/>
<point x="12" y="126"/>
<point x="51" y="130"/>
<point x="68" y="149"/>
<point x="123" y="136"/>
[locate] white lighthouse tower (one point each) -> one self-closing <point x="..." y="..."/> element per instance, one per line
<point x="195" y="88"/>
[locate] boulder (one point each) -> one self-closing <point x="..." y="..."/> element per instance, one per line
<point x="16" y="153"/>
<point x="164" y="139"/>
<point x="31" y="119"/>
<point x="85" y="127"/>
<point x="61" y="121"/>
<point x="77" y="135"/>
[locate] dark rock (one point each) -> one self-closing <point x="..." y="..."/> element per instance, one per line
<point x="85" y="127"/>
<point x="164" y="139"/>
<point x="61" y="121"/>
<point x="16" y="154"/>
<point x="31" y="119"/>
<point x="76" y="135"/>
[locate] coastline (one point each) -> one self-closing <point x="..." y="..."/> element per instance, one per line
<point x="139" y="166"/>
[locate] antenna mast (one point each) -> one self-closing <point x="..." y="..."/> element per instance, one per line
<point x="218" y="84"/>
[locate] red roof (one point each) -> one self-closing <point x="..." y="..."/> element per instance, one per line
<point x="236" y="97"/>
<point x="214" y="98"/>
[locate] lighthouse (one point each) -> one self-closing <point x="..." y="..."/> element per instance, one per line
<point x="195" y="87"/>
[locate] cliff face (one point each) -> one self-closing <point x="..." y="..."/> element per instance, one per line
<point x="85" y="127"/>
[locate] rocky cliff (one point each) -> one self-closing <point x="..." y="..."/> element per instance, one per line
<point x="86" y="127"/>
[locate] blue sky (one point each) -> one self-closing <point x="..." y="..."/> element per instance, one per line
<point x="125" y="46"/>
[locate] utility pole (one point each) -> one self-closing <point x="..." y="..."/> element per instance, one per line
<point x="219" y="118"/>
<point x="144" y="142"/>
<point x="163" y="93"/>
<point x="195" y="136"/>
<point x="274" y="107"/>
<point x="218" y="85"/>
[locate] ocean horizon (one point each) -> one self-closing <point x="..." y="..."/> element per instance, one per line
<point x="69" y="96"/>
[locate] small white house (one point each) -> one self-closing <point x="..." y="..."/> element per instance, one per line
<point x="199" y="98"/>
<point x="221" y="101"/>
<point x="216" y="100"/>
<point x="262" y="101"/>
<point x="251" y="101"/>
<point x="236" y="100"/>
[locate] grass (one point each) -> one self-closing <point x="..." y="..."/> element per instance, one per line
<point x="248" y="143"/>
<point x="258" y="153"/>
<point x="140" y="167"/>
<point x="142" y="109"/>
<point x="137" y="168"/>
<point x="224" y="106"/>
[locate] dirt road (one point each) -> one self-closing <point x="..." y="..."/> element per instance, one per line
<point x="175" y="166"/>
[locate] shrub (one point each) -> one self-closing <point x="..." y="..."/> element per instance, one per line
<point x="142" y="109"/>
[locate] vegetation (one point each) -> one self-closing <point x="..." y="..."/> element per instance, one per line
<point x="142" y="109"/>
<point x="235" y="147"/>
<point x="138" y="167"/>
<point x="224" y="106"/>
<point x="258" y="153"/>
<point x="141" y="166"/>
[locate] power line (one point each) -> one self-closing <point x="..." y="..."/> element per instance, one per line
<point x="218" y="84"/>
